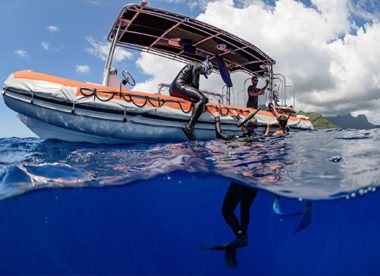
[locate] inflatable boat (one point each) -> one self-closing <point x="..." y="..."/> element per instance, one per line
<point x="59" y="108"/>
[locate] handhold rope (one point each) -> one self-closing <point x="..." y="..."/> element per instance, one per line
<point x="105" y="92"/>
<point x="160" y="102"/>
<point x="186" y="112"/>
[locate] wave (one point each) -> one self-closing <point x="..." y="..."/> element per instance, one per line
<point x="324" y="164"/>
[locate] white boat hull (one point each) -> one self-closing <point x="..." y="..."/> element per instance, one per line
<point x="55" y="108"/>
<point x="73" y="127"/>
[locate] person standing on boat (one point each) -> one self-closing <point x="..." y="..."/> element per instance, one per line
<point x="186" y="86"/>
<point x="254" y="93"/>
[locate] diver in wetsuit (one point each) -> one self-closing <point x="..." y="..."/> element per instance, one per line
<point x="245" y="196"/>
<point x="186" y="86"/>
<point x="236" y="194"/>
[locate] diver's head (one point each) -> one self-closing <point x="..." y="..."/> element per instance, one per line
<point x="283" y="121"/>
<point x="254" y="80"/>
<point x="207" y="68"/>
<point x="251" y="126"/>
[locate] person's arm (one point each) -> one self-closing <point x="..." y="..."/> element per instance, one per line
<point x="274" y="110"/>
<point x="267" y="129"/>
<point x="279" y="132"/>
<point x="262" y="90"/>
<point x="218" y="131"/>
<point x="258" y="92"/>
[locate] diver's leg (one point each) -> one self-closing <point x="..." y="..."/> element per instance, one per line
<point x="230" y="256"/>
<point x="248" y="196"/>
<point x="231" y="200"/>
<point x="199" y="101"/>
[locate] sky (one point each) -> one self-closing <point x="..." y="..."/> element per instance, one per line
<point x="328" y="50"/>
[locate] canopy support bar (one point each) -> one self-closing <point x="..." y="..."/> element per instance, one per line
<point x="106" y="73"/>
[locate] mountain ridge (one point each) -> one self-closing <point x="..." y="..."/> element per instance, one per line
<point x="348" y="121"/>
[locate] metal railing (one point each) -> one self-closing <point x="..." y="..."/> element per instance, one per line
<point x="219" y="97"/>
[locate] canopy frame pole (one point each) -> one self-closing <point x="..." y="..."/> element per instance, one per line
<point x="294" y="95"/>
<point x="284" y="86"/>
<point x="271" y="83"/>
<point x="106" y="73"/>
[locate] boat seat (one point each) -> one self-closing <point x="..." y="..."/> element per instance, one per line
<point x="113" y="81"/>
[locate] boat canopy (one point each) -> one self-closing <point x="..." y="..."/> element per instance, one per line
<point x="182" y="38"/>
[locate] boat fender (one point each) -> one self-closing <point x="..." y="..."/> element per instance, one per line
<point x="31" y="101"/>
<point x="125" y="115"/>
<point x="73" y="108"/>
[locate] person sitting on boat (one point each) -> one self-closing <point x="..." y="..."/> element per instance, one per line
<point x="254" y="93"/>
<point x="282" y="123"/>
<point x="186" y="86"/>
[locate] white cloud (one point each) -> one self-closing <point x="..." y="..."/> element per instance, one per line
<point x="95" y="3"/>
<point x="160" y="69"/>
<point x="332" y="62"/>
<point x="192" y="4"/>
<point x="52" y="28"/>
<point x="101" y="49"/>
<point x="49" y="47"/>
<point x="82" y="69"/>
<point x="21" y="53"/>
<point x="45" y="45"/>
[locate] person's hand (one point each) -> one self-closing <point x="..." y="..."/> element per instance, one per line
<point x="266" y="82"/>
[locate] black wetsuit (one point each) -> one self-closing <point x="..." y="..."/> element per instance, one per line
<point x="245" y="137"/>
<point x="236" y="194"/>
<point x="186" y="86"/>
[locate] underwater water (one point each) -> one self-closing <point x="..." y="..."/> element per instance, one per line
<point x="71" y="208"/>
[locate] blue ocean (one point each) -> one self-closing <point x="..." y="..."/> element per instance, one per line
<point x="156" y="209"/>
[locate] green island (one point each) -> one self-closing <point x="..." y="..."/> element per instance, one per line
<point x="318" y="121"/>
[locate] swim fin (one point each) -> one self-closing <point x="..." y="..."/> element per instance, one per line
<point x="306" y="218"/>
<point x="277" y="209"/>
<point x="230" y="256"/>
<point x="189" y="132"/>
<point x="240" y="241"/>
<point x="218" y="247"/>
